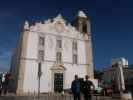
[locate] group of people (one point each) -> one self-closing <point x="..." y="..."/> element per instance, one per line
<point x="86" y="88"/>
<point x="6" y="84"/>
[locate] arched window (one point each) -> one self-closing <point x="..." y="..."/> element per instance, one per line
<point x="84" y="28"/>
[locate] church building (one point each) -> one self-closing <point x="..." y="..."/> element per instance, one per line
<point x="56" y="51"/>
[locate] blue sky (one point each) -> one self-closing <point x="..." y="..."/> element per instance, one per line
<point x="112" y="25"/>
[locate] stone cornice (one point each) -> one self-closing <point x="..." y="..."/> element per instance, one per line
<point x="73" y="38"/>
<point x="35" y="59"/>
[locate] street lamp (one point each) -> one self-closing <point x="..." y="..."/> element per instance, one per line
<point x="39" y="77"/>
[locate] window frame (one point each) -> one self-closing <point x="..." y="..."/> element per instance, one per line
<point x="75" y="59"/>
<point x="59" y="43"/>
<point x="41" y="40"/>
<point x="41" y="55"/>
<point x="59" y="57"/>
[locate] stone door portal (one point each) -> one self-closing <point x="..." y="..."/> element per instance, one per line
<point x="58" y="82"/>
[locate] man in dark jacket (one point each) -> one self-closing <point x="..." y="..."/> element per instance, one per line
<point x="75" y="87"/>
<point x="88" y="88"/>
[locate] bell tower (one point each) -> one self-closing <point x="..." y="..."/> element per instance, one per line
<point x="82" y="23"/>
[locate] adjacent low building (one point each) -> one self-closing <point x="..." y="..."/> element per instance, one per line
<point x="110" y="74"/>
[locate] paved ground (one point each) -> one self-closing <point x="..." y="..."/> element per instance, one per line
<point x="51" y="97"/>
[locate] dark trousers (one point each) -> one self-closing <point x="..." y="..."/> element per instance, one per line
<point x="76" y="96"/>
<point x="87" y="96"/>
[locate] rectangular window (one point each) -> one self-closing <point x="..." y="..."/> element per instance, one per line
<point x="41" y="55"/>
<point x="75" y="61"/>
<point x="74" y="45"/>
<point x="41" y="41"/>
<point x="59" y="44"/>
<point x="58" y="57"/>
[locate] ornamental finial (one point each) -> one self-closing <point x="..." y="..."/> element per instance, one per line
<point x="26" y="25"/>
<point x="82" y="14"/>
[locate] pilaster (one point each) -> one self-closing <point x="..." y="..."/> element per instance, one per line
<point x="89" y="57"/>
<point x="22" y="62"/>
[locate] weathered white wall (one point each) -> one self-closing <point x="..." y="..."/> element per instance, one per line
<point x="32" y="46"/>
<point x="81" y="52"/>
<point x="71" y="71"/>
<point x="50" y="47"/>
<point x="30" y="79"/>
<point x="67" y="50"/>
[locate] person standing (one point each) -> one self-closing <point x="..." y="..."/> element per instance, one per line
<point x="75" y="87"/>
<point x="88" y="88"/>
<point x="5" y="84"/>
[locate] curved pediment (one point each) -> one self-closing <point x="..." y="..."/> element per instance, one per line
<point x="58" y="67"/>
<point x="56" y="25"/>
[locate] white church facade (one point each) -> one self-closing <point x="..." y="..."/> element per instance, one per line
<point x="56" y="48"/>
